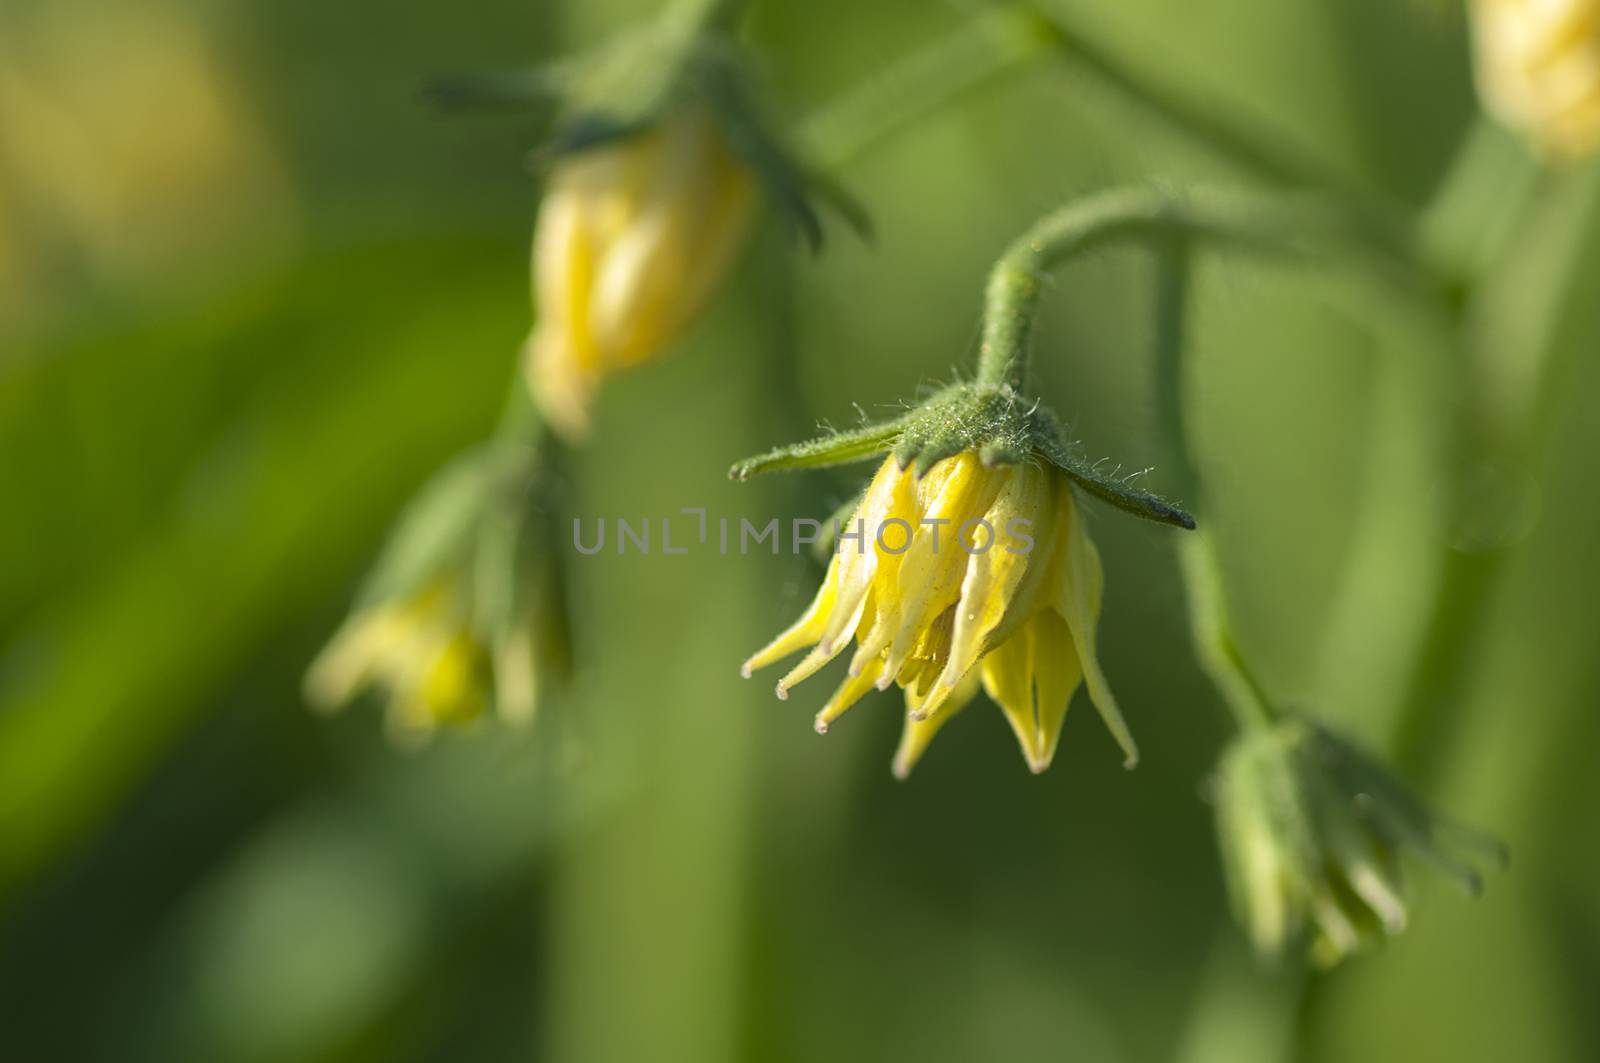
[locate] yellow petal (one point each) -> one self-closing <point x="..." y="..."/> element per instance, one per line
<point x="1079" y="582"/>
<point x="814" y="661"/>
<point x="931" y="571"/>
<point x="803" y="632"/>
<point x="1056" y="676"/>
<point x="918" y="732"/>
<point x="516" y="681"/>
<point x="926" y="662"/>
<point x="561" y="361"/>
<point x="692" y="217"/>
<point x="850" y="691"/>
<point x="1008" y="678"/>
<point x="351" y="660"/>
<point x="888" y="497"/>
<point x="995" y="578"/>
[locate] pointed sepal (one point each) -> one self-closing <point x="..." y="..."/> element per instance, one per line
<point x="1000" y="426"/>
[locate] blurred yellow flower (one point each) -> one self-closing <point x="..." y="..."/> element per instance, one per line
<point x="1538" y="69"/>
<point x="464" y="608"/>
<point x="967" y="574"/>
<point x="633" y="238"/>
<point x="129" y="147"/>
<point x="423" y="653"/>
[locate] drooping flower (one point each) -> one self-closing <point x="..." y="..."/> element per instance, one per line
<point x="659" y="144"/>
<point x="967" y="573"/>
<point x="1538" y="70"/>
<point x="420" y="651"/>
<point x="634" y="237"/>
<point x="462" y="612"/>
<point x="1311" y="832"/>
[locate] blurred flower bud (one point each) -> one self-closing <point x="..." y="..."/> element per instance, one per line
<point x="1538" y="70"/>
<point x="130" y="155"/>
<point x="464" y="609"/>
<point x="1311" y="832"/>
<point x="659" y="146"/>
<point x="634" y="237"/>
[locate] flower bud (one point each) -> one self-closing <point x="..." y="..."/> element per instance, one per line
<point x="1311" y="832"/>
<point x="463" y="610"/>
<point x="634" y="236"/>
<point x="1538" y="70"/>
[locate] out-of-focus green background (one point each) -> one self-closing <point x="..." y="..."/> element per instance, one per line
<point x="252" y="292"/>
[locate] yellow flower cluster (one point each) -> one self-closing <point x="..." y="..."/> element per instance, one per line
<point x="966" y="574"/>
<point x="633" y="238"/>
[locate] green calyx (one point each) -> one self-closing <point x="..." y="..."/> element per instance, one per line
<point x="627" y="85"/>
<point x="486" y="522"/>
<point x="1311" y="831"/>
<point x="994" y="421"/>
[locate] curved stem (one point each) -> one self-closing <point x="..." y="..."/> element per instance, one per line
<point x="1173" y="267"/>
<point x="1173" y="224"/>
<point x="1260" y="156"/>
<point x="1210" y="622"/>
<point x="1212" y="629"/>
<point x="1016" y="281"/>
<point x="1379" y="220"/>
<point x="1012" y="297"/>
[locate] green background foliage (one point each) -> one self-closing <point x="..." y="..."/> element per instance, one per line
<point x="230" y="348"/>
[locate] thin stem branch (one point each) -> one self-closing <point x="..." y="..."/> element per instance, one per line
<point x="1382" y="222"/>
<point x="1174" y="264"/>
<point x="1259" y="156"/>
<point x="1173" y="224"/>
<point x="1214" y="641"/>
<point x="1210" y="621"/>
<point x="981" y="50"/>
<point x="1518" y="436"/>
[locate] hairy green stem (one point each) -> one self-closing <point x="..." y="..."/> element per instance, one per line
<point x="1017" y="280"/>
<point x="1172" y="224"/>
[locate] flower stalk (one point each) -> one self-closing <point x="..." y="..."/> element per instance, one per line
<point x="1210" y="621"/>
<point x="1084" y="225"/>
<point x="1211" y="628"/>
<point x="997" y="41"/>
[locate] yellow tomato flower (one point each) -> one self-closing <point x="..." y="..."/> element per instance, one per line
<point x="422" y="652"/>
<point x="1538" y="70"/>
<point x="966" y="574"/>
<point x="633" y="238"/>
